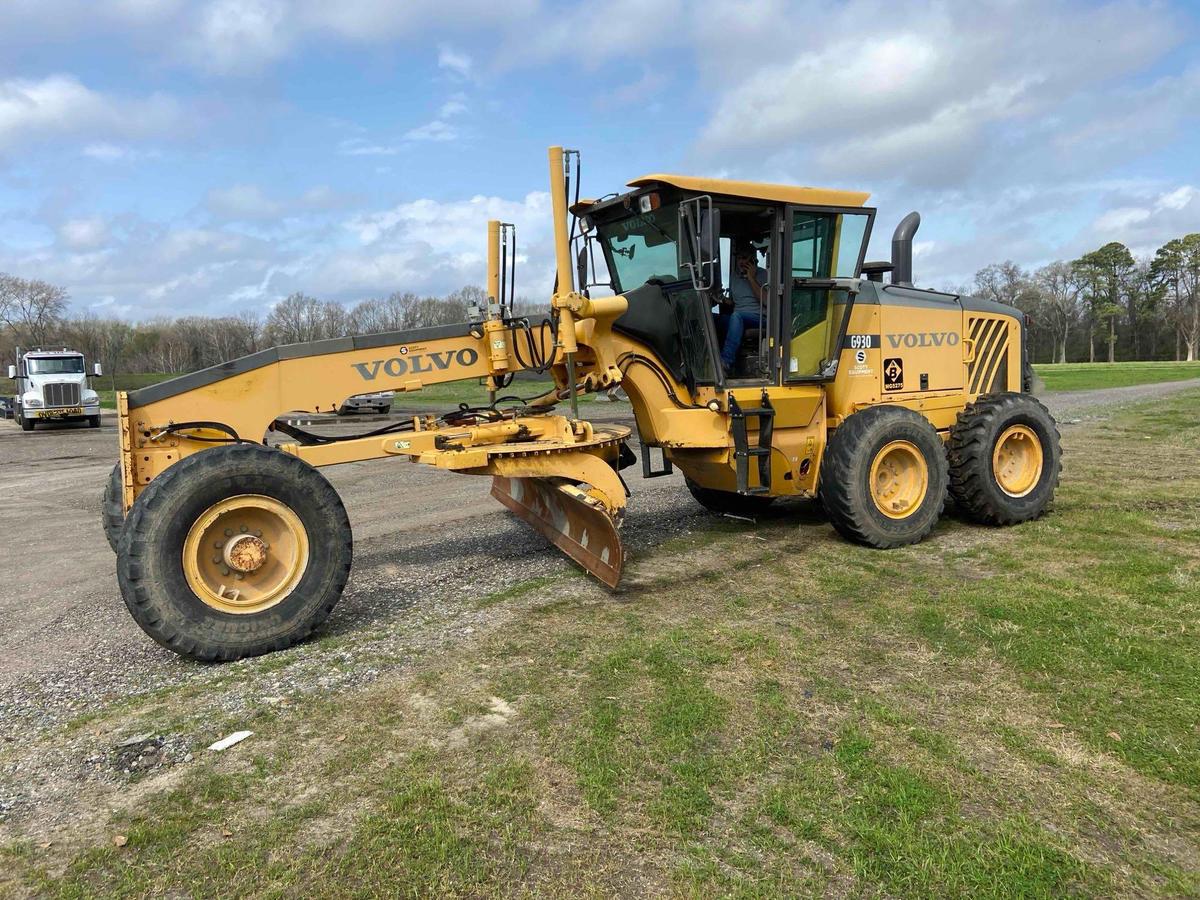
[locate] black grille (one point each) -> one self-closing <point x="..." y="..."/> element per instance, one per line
<point x="988" y="372"/>
<point x="61" y="394"/>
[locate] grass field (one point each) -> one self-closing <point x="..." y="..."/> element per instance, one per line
<point x="763" y="711"/>
<point x="1085" y="376"/>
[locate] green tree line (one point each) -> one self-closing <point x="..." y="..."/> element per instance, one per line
<point x="1106" y="305"/>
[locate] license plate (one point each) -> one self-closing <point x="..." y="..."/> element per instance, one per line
<point x="61" y="413"/>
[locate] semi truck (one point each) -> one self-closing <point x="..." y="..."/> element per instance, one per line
<point x="52" y="387"/>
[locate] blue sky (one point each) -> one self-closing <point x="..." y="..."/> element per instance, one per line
<point x="163" y="157"/>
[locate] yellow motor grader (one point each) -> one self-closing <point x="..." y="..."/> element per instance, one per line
<point x="763" y="357"/>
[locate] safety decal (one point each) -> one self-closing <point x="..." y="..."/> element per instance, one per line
<point x="893" y="374"/>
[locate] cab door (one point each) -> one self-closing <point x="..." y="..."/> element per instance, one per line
<point x="820" y="243"/>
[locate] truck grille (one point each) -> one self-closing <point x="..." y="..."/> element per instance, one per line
<point x="988" y="372"/>
<point x="61" y="394"/>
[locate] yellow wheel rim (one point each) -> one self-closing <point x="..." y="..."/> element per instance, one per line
<point x="245" y="554"/>
<point x="1017" y="460"/>
<point x="899" y="479"/>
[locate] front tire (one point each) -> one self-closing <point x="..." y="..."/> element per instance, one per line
<point x="1005" y="459"/>
<point x="883" y="478"/>
<point x="238" y="510"/>
<point x="93" y="421"/>
<point x="26" y="424"/>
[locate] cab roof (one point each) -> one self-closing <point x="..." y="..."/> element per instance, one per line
<point x="780" y="193"/>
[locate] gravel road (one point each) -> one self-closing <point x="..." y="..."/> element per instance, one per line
<point x="69" y="649"/>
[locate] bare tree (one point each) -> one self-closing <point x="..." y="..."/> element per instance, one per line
<point x="32" y="309"/>
<point x="1060" y="304"/>
<point x="295" y="320"/>
<point x="1002" y="282"/>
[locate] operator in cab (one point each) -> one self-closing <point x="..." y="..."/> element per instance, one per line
<point x="747" y="289"/>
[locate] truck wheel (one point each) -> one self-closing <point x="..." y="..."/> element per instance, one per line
<point x="234" y="551"/>
<point x="93" y="421"/>
<point x="1005" y="459"/>
<point x="113" y="508"/>
<point x="722" y="502"/>
<point x="883" y="478"/>
<point x="26" y="424"/>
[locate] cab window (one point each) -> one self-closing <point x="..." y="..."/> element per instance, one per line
<point x="823" y="245"/>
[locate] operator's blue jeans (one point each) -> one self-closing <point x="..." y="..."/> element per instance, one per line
<point x="734" y="325"/>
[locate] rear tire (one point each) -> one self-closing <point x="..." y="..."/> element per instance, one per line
<point x="883" y="478"/>
<point x="170" y="567"/>
<point x="728" y="502"/>
<point x="1005" y="459"/>
<point x="113" y="508"/>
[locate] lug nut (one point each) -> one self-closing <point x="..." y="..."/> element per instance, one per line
<point x="258" y="533"/>
<point x="239" y="576"/>
<point x="217" y="558"/>
<point x="228" y="532"/>
<point x="218" y="544"/>
<point x="224" y="570"/>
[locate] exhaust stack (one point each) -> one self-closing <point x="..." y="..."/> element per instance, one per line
<point x="902" y="238"/>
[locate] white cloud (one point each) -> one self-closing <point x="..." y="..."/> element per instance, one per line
<point x="84" y="234"/>
<point x="454" y="61"/>
<point x="1178" y="199"/>
<point x="930" y="95"/>
<point x="1120" y="219"/>
<point x="106" y="152"/>
<point x="1147" y="224"/>
<point x="372" y="21"/>
<point x="142" y="268"/>
<point x="442" y="128"/>
<point x="234" y="36"/>
<point x="250" y="203"/>
<point x="430" y="246"/>
<point x="60" y="106"/>
<point x="437" y="130"/>
<point x="363" y="147"/>
<point x="244" y="202"/>
<point x="617" y="28"/>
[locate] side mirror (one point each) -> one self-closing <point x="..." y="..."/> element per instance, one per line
<point x="96" y="370"/>
<point x="700" y="242"/>
<point x="12" y="372"/>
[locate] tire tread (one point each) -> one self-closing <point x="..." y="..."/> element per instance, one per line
<point x="210" y="464"/>
<point x="969" y="453"/>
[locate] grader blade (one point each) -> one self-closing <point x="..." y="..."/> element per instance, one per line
<point x="577" y="524"/>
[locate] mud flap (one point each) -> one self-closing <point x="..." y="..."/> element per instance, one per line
<point x="577" y="524"/>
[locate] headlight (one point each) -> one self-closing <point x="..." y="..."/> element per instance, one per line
<point x="91" y="401"/>
<point x="32" y="402"/>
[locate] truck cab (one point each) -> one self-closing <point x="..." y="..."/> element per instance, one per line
<point x="52" y="387"/>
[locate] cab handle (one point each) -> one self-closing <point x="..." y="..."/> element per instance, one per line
<point x="968" y="350"/>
